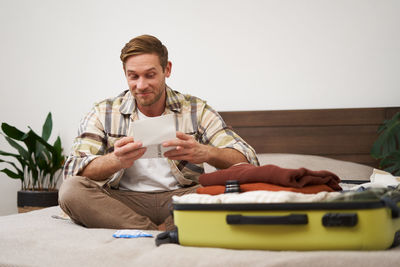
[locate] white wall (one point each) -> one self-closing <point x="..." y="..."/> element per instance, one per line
<point x="61" y="56"/>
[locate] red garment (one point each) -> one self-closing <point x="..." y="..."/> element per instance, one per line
<point x="220" y="189"/>
<point x="271" y="174"/>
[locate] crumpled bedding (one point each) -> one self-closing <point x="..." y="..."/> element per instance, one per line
<point x="37" y="239"/>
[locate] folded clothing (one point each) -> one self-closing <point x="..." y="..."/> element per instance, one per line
<point x="255" y="197"/>
<point x="220" y="189"/>
<point x="271" y="174"/>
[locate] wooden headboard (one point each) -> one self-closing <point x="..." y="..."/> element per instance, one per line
<point x="345" y="134"/>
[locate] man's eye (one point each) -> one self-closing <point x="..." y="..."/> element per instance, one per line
<point x="133" y="77"/>
<point x="150" y="75"/>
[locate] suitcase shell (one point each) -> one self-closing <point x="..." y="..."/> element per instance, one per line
<point x="355" y="225"/>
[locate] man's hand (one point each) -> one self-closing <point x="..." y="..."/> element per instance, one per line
<point x="126" y="150"/>
<point x="187" y="148"/>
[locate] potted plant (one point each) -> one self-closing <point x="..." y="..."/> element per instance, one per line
<point x="37" y="164"/>
<point x="387" y="147"/>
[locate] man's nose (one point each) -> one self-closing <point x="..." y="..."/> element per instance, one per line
<point x="141" y="83"/>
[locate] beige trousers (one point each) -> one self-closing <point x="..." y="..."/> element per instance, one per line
<point x="93" y="206"/>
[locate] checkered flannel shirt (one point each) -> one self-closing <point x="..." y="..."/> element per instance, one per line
<point x="109" y="121"/>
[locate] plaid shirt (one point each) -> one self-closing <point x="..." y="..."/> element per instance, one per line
<point x="109" y="121"/>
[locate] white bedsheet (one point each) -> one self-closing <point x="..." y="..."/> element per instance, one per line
<point x="37" y="239"/>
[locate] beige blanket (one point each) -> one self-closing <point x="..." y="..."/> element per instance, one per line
<point x="37" y="239"/>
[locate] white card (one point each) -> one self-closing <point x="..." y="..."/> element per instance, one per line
<point x="152" y="132"/>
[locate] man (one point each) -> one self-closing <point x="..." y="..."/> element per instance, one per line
<point x="107" y="184"/>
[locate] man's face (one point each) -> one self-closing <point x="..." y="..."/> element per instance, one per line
<point x="146" y="79"/>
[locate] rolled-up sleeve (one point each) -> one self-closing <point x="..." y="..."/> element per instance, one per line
<point x="88" y="145"/>
<point x="215" y="132"/>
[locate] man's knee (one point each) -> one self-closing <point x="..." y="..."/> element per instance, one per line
<point x="71" y="190"/>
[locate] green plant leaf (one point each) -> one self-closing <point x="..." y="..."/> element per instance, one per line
<point x="3" y="153"/>
<point x="6" y="161"/>
<point x="389" y="138"/>
<point x="39" y="139"/>
<point x="41" y="149"/>
<point x="39" y="160"/>
<point x="13" y="164"/>
<point x="20" y="159"/>
<point x="376" y="148"/>
<point x="391" y="163"/>
<point x="58" y="157"/>
<point x="12" y="174"/>
<point x="57" y="145"/>
<point x="12" y="132"/>
<point x="47" y="127"/>
<point x="22" y="151"/>
<point x="42" y="162"/>
<point x="30" y="141"/>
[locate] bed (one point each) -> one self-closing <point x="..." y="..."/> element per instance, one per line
<point x="338" y="140"/>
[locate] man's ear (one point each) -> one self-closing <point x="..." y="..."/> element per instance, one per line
<point x="168" y="69"/>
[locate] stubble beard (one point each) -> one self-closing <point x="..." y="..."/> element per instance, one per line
<point x="146" y="103"/>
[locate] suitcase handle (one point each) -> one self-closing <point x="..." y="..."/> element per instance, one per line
<point x="268" y="220"/>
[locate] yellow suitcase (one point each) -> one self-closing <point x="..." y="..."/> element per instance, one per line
<point x="348" y="225"/>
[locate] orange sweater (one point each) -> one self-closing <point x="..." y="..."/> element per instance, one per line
<point x="271" y="174"/>
<point x="220" y="189"/>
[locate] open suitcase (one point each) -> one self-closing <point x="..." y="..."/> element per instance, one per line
<point x="345" y="225"/>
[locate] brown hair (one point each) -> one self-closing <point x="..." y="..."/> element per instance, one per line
<point x="145" y="44"/>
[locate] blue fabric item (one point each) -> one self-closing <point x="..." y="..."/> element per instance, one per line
<point x="131" y="234"/>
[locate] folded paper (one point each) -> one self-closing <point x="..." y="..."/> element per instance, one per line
<point x="152" y="132"/>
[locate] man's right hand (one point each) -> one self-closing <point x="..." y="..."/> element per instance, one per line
<point x="126" y="150"/>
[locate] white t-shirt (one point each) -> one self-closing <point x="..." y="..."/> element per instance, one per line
<point x="149" y="175"/>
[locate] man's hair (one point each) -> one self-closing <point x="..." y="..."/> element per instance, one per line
<point x="145" y="44"/>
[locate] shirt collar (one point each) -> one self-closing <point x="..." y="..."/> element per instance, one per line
<point x="128" y="104"/>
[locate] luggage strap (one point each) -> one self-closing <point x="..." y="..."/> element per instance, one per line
<point x="392" y="205"/>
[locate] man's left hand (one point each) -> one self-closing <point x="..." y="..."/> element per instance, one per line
<point x="187" y="148"/>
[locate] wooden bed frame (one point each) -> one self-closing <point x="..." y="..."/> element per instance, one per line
<point x="345" y="134"/>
